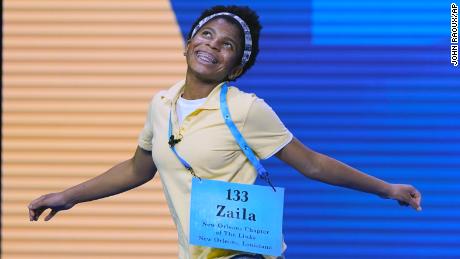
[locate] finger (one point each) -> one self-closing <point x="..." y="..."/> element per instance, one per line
<point x="31" y="214"/>
<point x="412" y="202"/>
<point x="50" y="215"/>
<point x="38" y="212"/>
<point x="416" y="197"/>
<point x="419" y="199"/>
<point x="33" y="206"/>
<point x="36" y="203"/>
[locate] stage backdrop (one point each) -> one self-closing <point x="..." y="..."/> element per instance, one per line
<point x="369" y="83"/>
<point x="78" y="79"/>
<point x="366" y="82"/>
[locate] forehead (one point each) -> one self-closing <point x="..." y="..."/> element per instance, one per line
<point x="225" y="27"/>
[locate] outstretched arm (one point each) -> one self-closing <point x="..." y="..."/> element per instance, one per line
<point x="328" y="170"/>
<point x="122" y="177"/>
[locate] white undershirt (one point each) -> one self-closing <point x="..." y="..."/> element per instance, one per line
<point x="184" y="107"/>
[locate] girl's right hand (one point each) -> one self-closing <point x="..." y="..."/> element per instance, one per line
<point x="54" y="201"/>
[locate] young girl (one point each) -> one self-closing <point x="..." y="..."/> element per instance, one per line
<point x="185" y="122"/>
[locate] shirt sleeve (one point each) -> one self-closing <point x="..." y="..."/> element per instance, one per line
<point x="146" y="135"/>
<point x="263" y="130"/>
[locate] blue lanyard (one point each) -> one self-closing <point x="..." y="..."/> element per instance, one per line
<point x="236" y="134"/>
<point x="172" y="142"/>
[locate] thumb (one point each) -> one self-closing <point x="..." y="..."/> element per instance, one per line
<point x="51" y="215"/>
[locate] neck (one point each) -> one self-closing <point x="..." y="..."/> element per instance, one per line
<point x="196" y="88"/>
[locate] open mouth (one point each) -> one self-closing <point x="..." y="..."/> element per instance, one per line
<point x="206" y="57"/>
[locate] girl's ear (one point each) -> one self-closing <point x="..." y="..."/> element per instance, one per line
<point x="186" y="47"/>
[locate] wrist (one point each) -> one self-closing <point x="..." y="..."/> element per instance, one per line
<point x="68" y="198"/>
<point x="387" y="191"/>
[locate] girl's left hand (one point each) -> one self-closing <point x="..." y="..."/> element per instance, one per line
<point x="405" y="195"/>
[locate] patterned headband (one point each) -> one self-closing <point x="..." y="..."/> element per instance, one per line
<point x="247" y="33"/>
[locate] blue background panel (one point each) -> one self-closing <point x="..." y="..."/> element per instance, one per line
<point x="369" y="83"/>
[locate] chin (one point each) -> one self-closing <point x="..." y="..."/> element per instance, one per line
<point x="206" y="75"/>
<point x="208" y="79"/>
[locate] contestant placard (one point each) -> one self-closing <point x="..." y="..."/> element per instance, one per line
<point x="236" y="216"/>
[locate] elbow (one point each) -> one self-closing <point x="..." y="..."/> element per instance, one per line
<point x="143" y="173"/>
<point x="313" y="166"/>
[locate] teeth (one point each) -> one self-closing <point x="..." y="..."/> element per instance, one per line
<point x="206" y="57"/>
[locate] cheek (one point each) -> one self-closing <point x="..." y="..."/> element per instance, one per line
<point x="231" y="58"/>
<point x="191" y="44"/>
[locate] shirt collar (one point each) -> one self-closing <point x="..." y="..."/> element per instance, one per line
<point x="212" y="101"/>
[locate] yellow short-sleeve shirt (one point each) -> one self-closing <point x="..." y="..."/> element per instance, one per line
<point x="209" y="147"/>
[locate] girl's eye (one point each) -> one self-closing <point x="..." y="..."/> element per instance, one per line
<point x="228" y="45"/>
<point x="206" y="34"/>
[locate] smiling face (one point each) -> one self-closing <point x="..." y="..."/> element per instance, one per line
<point x="214" y="53"/>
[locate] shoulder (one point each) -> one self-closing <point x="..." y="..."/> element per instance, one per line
<point x="239" y="97"/>
<point x="240" y="103"/>
<point x="249" y="108"/>
<point x="250" y="101"/>
<point x="164" y="96"/>
<point x="156" y="100"/>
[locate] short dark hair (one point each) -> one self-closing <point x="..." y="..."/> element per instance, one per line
<point x="249" y="16"/>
